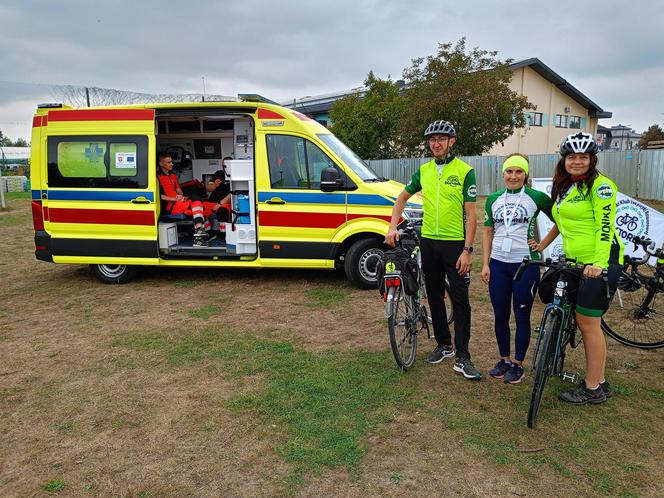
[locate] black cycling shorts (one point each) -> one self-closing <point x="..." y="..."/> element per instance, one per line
<point x="589" y="293"/>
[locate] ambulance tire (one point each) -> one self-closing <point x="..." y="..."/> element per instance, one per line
<point x="115" y="274"/>
<point x="361" y="260"/>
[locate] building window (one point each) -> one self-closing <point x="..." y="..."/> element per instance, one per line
<point x="574" y="122"/>
<point x="534" y="118"/>
<point x="561" y="121"/>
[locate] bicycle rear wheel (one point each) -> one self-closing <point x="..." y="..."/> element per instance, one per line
<point x="543" y="364"/>
<point x="402" y="328"/>
<point x="631" y="323"/>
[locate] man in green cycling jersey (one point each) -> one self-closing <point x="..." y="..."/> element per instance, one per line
<point x="449" y="190"/>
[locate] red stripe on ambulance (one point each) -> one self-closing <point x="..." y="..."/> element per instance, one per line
<point x="101" y="216"/>
<point x="102" y="115"/>
<point x="301" y="220"/>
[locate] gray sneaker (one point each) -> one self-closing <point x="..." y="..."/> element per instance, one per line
<point x="465" y="367"/>
<point x="439" y="354"/>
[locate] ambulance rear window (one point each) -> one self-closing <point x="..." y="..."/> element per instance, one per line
<point x="98" y="161"/>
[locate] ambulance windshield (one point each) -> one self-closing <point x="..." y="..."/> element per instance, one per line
<point x="349" y="157"/>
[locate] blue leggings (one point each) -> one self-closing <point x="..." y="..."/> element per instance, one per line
<point x="505" y="292"/>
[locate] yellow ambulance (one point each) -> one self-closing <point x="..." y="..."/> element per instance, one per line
<point x="309" y="201"/>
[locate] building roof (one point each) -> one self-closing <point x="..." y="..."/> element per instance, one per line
<point x="566" y="87"/>
<point x="323" y="103"/>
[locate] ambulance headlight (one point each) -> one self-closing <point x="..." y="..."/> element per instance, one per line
<point x="413" y="215"/>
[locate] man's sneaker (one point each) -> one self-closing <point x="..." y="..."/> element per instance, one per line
<point x="201" y="238"/>
<point x="439" y="354"/>
<point x="606" y="389"/>
<point x="515" y="374"/>
<point x="501" y="368"/>
<point x="465" y="366"/>
<point x="581" y="395"/>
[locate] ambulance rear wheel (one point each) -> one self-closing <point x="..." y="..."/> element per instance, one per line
<point x="115" y="274"/>
<point x="361" y="262"/>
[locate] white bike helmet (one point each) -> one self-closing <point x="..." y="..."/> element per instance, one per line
<point x="579" y="143"/>
<point x="440" y="128"/>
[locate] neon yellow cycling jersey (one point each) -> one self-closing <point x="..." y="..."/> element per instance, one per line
<point x="444" y="193"/>
<point x="586" y="223"/>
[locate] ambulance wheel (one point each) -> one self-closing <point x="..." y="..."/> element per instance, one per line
<point x="361" y="262"/>
<point x="115" y="274"/>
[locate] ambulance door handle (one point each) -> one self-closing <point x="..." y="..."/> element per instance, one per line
<point x="140" y="200"/>
<point x="275" y="200"/>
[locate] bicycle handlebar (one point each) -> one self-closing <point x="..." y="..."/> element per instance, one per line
<point x="648" y="246"/>
<point x="562" y="264"/>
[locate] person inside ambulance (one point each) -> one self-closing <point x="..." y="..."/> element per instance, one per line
<point x="174" y="202"/>
<point x="219" y="190"/>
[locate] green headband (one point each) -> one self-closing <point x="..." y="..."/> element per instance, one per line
<point x="516" y="162"/>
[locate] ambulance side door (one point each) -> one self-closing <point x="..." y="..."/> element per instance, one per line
<point x="296" y="219"/>
<point x="100" y="204"/>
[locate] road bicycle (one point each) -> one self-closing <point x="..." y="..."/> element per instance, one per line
<point x="405" y="298"/>
<point x="632" y="318"/>
<point x="557" y="329"/>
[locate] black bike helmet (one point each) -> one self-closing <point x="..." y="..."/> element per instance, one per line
<point x="579" y="143"/>
<point x="440" y="128"/>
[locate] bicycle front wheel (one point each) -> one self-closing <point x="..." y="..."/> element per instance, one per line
<point x="402" y="328"/>
<point x="633" y="323"/>
<point x="543" y="363"/>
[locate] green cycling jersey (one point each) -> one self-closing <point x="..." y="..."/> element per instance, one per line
<point x="586" y="222"/>
<point x="445" y="188"/>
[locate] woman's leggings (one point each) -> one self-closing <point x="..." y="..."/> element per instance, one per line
<point x="506" y="292"/>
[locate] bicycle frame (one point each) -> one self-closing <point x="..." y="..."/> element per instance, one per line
<point x="566" y="325"/>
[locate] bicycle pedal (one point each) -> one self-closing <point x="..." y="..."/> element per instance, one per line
<point x="571" y="377"/>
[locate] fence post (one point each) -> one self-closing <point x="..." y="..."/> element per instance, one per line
<point x="638" y="173"/>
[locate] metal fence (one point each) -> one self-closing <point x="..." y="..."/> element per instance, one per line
<point x="638" y="173"/>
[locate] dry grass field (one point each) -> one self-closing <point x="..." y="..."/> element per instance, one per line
<point x="281" y="383"/>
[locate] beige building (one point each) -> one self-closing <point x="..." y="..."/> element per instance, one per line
<point x="561" y="109"/>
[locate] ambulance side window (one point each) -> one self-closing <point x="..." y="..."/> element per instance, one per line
<point x="295" y="162"/>
<point x="98" y="161"/>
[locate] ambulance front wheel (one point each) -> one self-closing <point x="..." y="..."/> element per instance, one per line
<point x="115" y="274"/>
<point x="361" y="262"/>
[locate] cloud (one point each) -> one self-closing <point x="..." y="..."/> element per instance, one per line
<point x="291" y="48"/>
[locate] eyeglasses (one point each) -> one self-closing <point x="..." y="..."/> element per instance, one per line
<point x="439" y="140"/>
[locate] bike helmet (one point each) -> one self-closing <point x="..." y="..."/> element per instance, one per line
<point x="440" y="128"/>
<point x="579" y="143"/>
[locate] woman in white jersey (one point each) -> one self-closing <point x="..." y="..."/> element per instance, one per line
<point x="510" y="219"/>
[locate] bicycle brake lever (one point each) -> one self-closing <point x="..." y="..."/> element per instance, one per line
<point x="605" y="279"/>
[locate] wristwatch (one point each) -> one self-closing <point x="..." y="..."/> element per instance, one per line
<point x="468" y="249"/>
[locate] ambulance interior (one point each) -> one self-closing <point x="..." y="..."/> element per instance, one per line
<point x="197" y="145"/>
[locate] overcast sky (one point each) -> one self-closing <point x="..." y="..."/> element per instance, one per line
<point x="612" y="51"/>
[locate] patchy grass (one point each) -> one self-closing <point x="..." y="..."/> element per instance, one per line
<point x="204" y="313"/>
<point x="287" y="388"/>
<point x="327" y="298"/>
<point x="321" y="406"/>
<point x="53" y="486"/>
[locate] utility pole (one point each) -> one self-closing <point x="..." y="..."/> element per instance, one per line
<point x="87" y="95"/>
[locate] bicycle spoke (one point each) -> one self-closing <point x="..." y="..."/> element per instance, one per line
<point x="632" y="324"/>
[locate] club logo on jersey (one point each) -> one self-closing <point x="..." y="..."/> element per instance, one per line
<point x="390" y="267"/>
<point x="604" y="191"/>
<point x="472" y="191"/>
<point x="452" y="181"/>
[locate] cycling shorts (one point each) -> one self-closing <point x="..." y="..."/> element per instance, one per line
<point x="589" y="293"/>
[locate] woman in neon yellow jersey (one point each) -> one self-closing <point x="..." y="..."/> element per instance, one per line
<point x="584" y="209"/>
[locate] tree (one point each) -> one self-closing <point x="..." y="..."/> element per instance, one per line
<point x="20" y="142"/>
<point x="654" y="132"/>
<point x="4" y="141"/>
<point x="469" y="88"/>
<point x="368" y="123"/>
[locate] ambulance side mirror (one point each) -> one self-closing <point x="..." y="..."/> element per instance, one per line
<point x="330" y="180"/>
